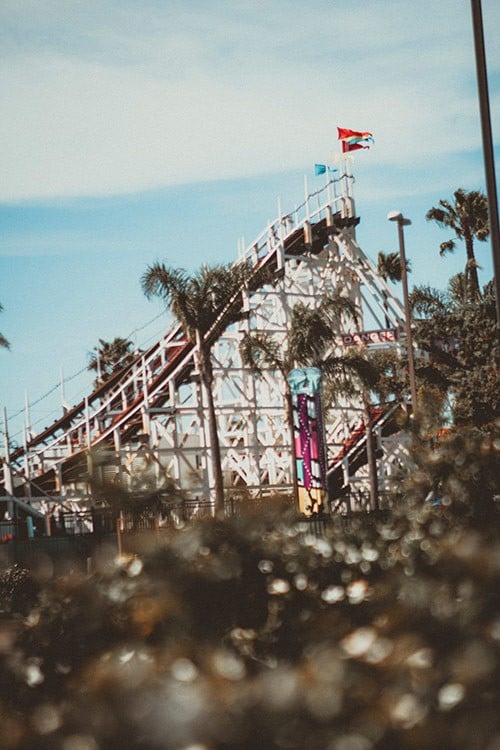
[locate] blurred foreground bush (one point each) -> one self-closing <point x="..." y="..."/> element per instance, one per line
<point x="18" y="590"/>
<point x="253" y="634"/>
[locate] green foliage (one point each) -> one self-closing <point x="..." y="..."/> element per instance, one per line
<point x="312" y="331"/>
<point x="389" y="266"/>
<point x="461" y="340"/>
<point x="309" y="340"/>
<point x="109" y="357"/>
<point x="18" y="590"/>
<point x="467" y="216"/>
<point x="205" y="304"/>
<point x="200" y="300"/>
<point x="362" y="371"/>
<point x="260" y="351"/>
<point x="253" y="633"/>
<point x="378" y="631"/>
<point x="459" y="469"/>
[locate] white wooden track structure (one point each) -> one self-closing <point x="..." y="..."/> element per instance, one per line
<point x="145" y="425"/>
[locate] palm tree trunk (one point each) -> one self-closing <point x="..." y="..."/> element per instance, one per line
<point x="370" y="454"/>
<point x="206" y="377"/>
<point x="471" y="274"/>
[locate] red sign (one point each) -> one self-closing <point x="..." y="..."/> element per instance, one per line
<point x="362" y="338"/>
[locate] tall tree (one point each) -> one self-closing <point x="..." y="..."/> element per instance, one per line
<point x="204" y="304"/>
<point x="459" y="337"/>
<point x="108" y="357"/>
<point x="3" y="341"/>
<point x="467" y="216"/>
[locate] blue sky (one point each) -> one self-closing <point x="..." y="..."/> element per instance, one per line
<point x="136" y="131"/>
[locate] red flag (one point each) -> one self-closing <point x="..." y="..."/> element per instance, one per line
<point x="346" y="146"/>
<point x="347" y="133"/>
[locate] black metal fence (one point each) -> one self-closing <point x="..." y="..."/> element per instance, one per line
<point x="77" y="535"/>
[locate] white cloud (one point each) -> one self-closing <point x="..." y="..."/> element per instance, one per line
<point x="100" y="98"/>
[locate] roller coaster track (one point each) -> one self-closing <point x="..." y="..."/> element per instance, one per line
<point x="385" y="420"/>
<point x="118" y="411"/>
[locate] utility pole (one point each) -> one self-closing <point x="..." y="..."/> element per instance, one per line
<point x="489" y="159"/>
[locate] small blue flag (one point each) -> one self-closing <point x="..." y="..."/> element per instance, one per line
<point x="321" y="169"/>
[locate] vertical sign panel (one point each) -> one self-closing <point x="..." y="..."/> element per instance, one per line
<point x="309" y="438"/>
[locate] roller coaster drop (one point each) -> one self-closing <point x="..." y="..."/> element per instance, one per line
<point x="144" y="427"/>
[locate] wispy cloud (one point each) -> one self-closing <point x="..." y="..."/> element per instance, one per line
<point x="101" y="98"/>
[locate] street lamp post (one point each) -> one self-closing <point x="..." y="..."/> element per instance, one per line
<point x="402" y="222"/>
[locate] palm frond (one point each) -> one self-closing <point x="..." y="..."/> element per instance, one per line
<point x="260" y="351"/>
<point x="457" y="289"/>
<point x="312" y="331"/>
<point x="425" y="300"/>
<point x="442" y="217"/>
<point x="346" y="377"/>
<point x="308" y="334"/>
<point x="162" y="281"/>
<point x="467" y="215"/>
<point x="336" y="308"/>
<point x="447" y="247"/>
<point x="389" y="266"/>
<point x="108" y="357"/>
<point x="3" y="341"/>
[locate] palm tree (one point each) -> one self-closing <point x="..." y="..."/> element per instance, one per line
<point x="3" y="341"/>
<point x="459" y="336"/>
<point x="309" y="343"/>
<point x="467" y="216"/>
<point x="309" y="338"/>
<point x="204" y="304"/>
<point x="389" y="268"/>
<point x="108" y="357"/>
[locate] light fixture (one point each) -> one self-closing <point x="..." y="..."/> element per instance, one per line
<point x="398" y="216"/>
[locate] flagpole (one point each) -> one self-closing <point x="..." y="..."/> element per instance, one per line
<point x="307" y="221"/>
<point x="352" y="140"/>
<point x="306" y="196"/>
<point x="351" y="208"/>
<point x="328" y="186"/>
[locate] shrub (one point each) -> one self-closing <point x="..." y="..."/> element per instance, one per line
<point x="255" y="633"/>
<point x="18" y="590"/>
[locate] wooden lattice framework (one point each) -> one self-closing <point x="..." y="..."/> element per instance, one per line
<point x="146" y="425"/>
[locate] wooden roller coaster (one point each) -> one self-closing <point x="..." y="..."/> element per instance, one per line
<point x="144" y="426"/>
